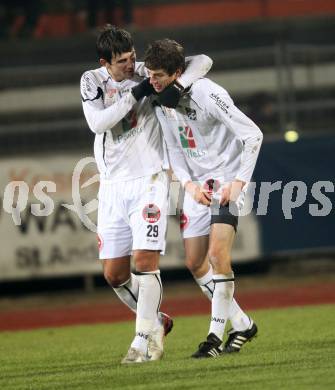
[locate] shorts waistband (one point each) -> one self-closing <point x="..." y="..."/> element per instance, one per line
<point x="123" y="180"/>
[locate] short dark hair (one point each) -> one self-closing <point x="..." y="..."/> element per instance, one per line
<point x="112" y="41"/>
<point x="165" y="54"/>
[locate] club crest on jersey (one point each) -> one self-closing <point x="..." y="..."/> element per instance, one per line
<point x="186" y="137"/>
<point x="192" y="114"/>
<point x="184" y="220"/>
<point x="100" y="242"/>
<point x="151" y="213"/>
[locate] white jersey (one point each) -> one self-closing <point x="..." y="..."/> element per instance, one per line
<point x="128" y="142"/>
<point x="209" y="137"/>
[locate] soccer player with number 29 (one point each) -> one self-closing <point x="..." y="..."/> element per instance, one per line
<point x="133" y="195"/>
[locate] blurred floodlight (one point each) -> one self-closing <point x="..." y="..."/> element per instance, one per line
<point x="291" y="136"/>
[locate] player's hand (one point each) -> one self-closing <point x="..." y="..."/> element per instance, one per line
<point x="199" y="194"/>
<point x="170" y="96"/>
<point x="231" y="192"/>
<point x="144" y="88"/>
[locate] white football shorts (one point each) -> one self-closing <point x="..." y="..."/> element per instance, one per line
<point x="133" y="215"/>
<point x="196" y="218"/>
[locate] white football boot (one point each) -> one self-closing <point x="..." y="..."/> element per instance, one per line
<point x="135" y="356"/>
<point x="156" y="341"/>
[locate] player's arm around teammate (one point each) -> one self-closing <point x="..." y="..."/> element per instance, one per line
<point x="102" y="118"/>
<point x="133" y="194"/>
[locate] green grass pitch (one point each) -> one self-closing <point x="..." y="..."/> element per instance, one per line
<point x="295" y="349"/>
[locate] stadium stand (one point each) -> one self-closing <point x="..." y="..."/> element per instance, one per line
<point x="278" y="71"/>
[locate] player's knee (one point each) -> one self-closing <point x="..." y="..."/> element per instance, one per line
<point x="114" y="279"/>
<point x="218" y="256"/>
<point x="192" y="264"/>
<point x="146" y="261"/>
<point x="146" y="266"/>
<point x="220" y="261"/>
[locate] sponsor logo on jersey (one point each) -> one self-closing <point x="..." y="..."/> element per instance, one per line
<point x="86" y="83"/>
<point x="129" y="121"/>
<point x="192" y="114"/>
<point x="186" y="137"/>
<point x="89" y="90"/>
<point x="188" y="142"/>
<point x="184" y="220"/>
<point x="220" y="103"/>
<point x="195" y="153"/>
<point x="151" y="213"/>
<point x="129" y="134"/>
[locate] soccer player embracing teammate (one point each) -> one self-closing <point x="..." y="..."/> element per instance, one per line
<point x="118" y="104"/>
<point x="212" y="148"/>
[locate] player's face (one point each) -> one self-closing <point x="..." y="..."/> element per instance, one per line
<point x="160" y="79"/>
<point x="122" y="65"/>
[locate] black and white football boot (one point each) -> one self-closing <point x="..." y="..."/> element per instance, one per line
<point x="236" y="339"/>
<point x="211" y="348"/>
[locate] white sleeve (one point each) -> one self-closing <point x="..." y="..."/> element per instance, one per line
<point x="222" y="107"/>
<point x="175" y="153"/>
<point x="99" y="118"/>
<point x="196" y="67"/>
<point x="140" y="69"/>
